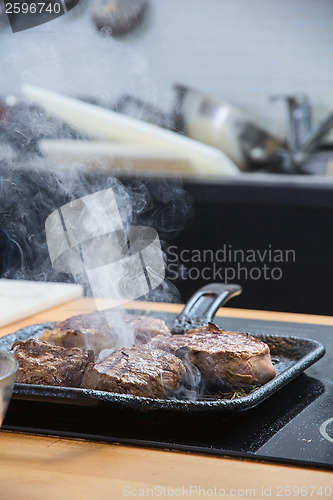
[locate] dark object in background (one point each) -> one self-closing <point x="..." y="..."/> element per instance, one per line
<point x="26" y="15"/>
<point x="118" y="17"/>
<point x="70" y="4"/>
<point x="2" y="11"/>
<point x="29" y="14"/>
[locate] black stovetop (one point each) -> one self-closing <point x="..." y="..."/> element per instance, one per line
<point x="295" y="425"/>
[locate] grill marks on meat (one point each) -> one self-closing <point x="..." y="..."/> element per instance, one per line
<point x="235" y="358"/>
<point x="138" y="370"/>
<point x="45" y="364"/>
<point x="98" y="330"/>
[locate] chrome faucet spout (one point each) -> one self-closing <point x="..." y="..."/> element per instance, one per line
<point x="302" y="138"/>
<point x="299" y="119"/>
<point x="313" y="140"/>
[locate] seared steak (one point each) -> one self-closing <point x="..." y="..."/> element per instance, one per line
<point x="145" y="327"/>
<point x="102" y="330"/>
<point x="138" y="370"/>
<point x="235" y="358"/>
<point x="45" y="364"/>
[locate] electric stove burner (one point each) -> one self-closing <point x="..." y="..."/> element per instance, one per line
<point x="326" y="430"/>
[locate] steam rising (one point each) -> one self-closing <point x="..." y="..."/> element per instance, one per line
<point x="30" y="196"/>
<point x="30" y="193"/>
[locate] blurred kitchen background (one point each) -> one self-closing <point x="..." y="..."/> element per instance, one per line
<point x="251" y="54"/>
<point x="238" y="51"/>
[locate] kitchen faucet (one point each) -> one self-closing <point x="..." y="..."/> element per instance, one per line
<point x="302" y="138"/>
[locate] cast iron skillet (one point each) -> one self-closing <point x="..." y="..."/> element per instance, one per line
<point x="291" y="356"/>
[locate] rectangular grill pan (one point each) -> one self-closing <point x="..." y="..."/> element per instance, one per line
<point x="291" y="356"/>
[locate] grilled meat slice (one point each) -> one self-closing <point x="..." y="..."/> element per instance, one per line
<point x="145" y="327"/>
<point x="234" y="358"/>
<point x="45" y="364"/>
<point x="101" y="330"/>
<point x="138" y="370"/>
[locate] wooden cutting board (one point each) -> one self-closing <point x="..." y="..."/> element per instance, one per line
<point x="20" y="299"/>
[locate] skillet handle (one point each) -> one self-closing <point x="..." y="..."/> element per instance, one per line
<point x="202" y="306"/>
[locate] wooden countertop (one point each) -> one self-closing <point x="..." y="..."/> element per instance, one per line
<point x="48" y="468"/>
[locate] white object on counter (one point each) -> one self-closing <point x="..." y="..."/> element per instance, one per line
<point x="108" y="154"/>
<point x="102" y="123"/>
<point x="20" y="299"/>
<point x="223" y="135"/>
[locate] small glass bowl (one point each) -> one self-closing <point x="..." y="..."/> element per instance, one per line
<point x="8" y="369"/>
